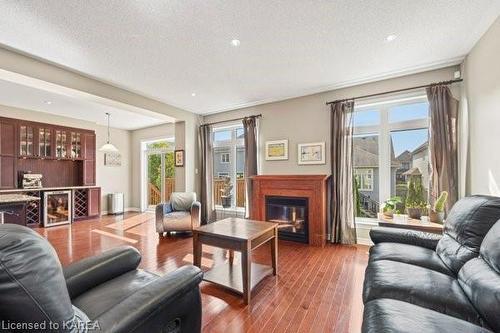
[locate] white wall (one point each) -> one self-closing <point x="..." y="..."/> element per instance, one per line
<point x="307" y="119"/>
<point x="110" y="179"/>
<point x="482" y="77"/>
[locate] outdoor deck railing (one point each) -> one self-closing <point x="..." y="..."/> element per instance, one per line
<point x="155" y="192"/>
<point x="239" y="190"/>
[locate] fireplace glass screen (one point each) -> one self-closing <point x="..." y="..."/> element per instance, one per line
<point x="291" y="214"/>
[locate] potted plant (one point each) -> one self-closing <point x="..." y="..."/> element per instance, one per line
<point x="436" y="214"/>
<point x="390" y="206"/>
<point x="226" y="192"/>
<point x="415" y="203"/>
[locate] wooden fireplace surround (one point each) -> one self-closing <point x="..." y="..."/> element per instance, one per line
<point x="312" y="187"/>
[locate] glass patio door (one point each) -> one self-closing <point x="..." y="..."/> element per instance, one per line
<point x="160" y="170"/>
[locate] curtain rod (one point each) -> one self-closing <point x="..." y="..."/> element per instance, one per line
<point x="229" y="120"/>
<point x="396" y="91"/>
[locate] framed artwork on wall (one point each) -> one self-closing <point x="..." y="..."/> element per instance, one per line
<point x="311" y="153"/>
<point x="113" y="159"/>
<point x="276" y="150"/>
<point x="179" y="158"/>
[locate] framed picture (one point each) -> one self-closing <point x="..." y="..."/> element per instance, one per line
<point x="311" y="153"/>
<point x="179" y="158"/>
<point x="276" y="150"/>
<point x="113" y="159"/>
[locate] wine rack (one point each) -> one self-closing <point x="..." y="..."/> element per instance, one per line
<point x="80" y="200"/>
<point x="33" y="209"/>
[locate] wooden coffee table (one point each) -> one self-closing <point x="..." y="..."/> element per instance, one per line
<point x="241" y="235"/>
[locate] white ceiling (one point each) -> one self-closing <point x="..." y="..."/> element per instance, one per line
<point x="169" y="49"/>
<point x="21" y="96"/>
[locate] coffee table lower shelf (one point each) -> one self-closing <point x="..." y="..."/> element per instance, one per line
<point x="229" y="276"/>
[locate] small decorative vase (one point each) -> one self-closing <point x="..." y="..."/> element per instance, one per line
<point x="226" y="201"/>
<point x="436" y="217"/>
<point x="414" y="213"/>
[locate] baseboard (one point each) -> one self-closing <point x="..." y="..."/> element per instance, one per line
<point x="127" y="209"/>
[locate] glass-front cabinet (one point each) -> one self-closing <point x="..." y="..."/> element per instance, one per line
<point x="44" y="142"/>
<point x="76" y="145"/>
<point x="61" y="144"/>
<point x="26" y="142"/>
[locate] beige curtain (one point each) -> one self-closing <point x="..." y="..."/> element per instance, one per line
<point x="342" y="226"/>
<point x="443" y="143"/>
<point x="251" y="131"/>
<point x="206" y="162"/>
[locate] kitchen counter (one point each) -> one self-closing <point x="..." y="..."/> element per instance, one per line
<point x="46" y="189"/>
<point x="12" y="198"/>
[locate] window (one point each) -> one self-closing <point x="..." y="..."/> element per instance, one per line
<point x="229" y="161"/>
<point x="390" y="146"/>
<point x="224" y="158"/>
<point x="364" y="179"/>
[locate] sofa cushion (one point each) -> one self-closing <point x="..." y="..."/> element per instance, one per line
<point x="480" y="279"/>
<point x="98" y="300"/>
<point x="420" y="286"/>
<point x="466" y="225"/>
<point x="388" y="315"/>
<point x="182" y="201"/>
<point x="409" y="254"/>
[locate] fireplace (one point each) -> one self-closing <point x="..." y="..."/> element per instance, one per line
<point x="291" y="213"/>
<point x="310" y="187"/>
<point x="56" y="208"/>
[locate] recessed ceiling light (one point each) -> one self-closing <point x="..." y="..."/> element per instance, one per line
<point x="193" y="94"/>
<point x="235" y="42"/>
<point x="390" y="38"/>
<point x="48" y="102"/>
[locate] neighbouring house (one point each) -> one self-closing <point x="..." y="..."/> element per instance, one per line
<point x="366" y="170"/>
<point x="222" y="162"/>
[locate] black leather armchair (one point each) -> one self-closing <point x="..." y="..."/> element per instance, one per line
<point x="419" y="282"/>
<point x="106" y="292"/>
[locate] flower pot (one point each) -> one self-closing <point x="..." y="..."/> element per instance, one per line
<point x="436" y="217"/>
<point x="226" y="201"/>
<point x="414" y="213"/>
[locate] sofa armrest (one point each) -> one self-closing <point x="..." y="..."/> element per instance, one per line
<point x="170" y="301"/>
<point x="90" y="272"/>
<point x="404" y="236"/>
<point x="196" y="214"/>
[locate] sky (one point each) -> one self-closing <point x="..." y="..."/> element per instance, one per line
<point x="402" y="140"/>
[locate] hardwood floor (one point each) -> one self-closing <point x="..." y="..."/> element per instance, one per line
<point x="316" y="290"/>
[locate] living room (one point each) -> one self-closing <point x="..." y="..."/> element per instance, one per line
<point x="249" y="167"/>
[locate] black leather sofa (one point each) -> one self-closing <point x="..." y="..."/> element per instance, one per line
<point x="105" y="293"/>
<point x="420" y="282"/>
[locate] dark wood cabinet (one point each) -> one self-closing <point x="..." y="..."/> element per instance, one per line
<point x="76" y="145"/>
<point x="7" y="172"/>
<point x="62" y="143"/>
<point x="44" y="142"/>
<point x="65" y="156"/>
<point x="7" y="155"/>
<point x="14" y="213"/>
<point x="7" y="139"/>
<point x="94" y="202"/>
<point x="89" y="152"/>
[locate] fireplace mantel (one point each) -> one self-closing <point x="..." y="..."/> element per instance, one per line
<point x="312" y="187"/>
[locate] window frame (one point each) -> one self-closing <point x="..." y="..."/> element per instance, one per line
<point x="223" y="160"/>
<point x="383" y="131"/>
<point x="233" y="144"/>
<point x="366" y="172"/>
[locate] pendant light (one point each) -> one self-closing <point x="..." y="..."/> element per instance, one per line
<point x="108" y="147"/>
